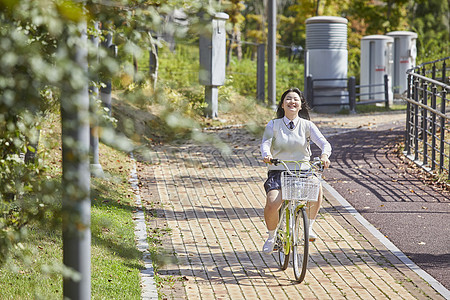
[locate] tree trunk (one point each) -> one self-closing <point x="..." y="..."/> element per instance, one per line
<point x="238" y="44"/>
<point x="153" y="61"/>
<point x="230" y="48"/>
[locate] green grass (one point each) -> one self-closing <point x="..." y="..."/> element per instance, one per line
<point x="27" y="280"/>
<point x="35" y="272"/>
<point x="179" y="70"/>
<point x="115" y="259"/>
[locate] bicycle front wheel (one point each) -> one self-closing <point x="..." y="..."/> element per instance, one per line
<point x="283" y="244"/>
<point x="300" y="247"/>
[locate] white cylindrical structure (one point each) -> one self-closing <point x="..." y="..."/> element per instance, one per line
<point x="376" y="61"/>
<point x="405" y="53"/>
<point x="326" y="57"/>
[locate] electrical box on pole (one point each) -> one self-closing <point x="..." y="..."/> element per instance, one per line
<point x="213" y="62"/>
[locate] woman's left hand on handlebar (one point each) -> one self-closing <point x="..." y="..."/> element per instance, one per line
<point x="326" y="162"/>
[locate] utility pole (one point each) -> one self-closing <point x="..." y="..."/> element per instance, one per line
<point x="271" y="53"/>
<point x="76" y="202"/>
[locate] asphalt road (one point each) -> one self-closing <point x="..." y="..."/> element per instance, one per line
<point x="393" y="196"/>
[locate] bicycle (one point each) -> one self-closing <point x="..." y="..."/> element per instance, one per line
<point x="297" y="188"/>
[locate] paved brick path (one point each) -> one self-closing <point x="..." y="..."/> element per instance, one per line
<point x="213" y="204"/>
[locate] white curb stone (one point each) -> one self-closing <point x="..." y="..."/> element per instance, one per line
<point x="148" y="284"/>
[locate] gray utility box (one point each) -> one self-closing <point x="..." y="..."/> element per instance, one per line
<point x="213" y="52"/>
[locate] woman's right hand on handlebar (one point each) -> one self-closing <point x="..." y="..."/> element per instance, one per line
<point x="267" y="159"/>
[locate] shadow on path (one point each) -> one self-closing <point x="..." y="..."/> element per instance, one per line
<point x="397" y="199"/>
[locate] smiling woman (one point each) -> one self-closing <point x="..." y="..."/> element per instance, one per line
<point x="287" y="138"/>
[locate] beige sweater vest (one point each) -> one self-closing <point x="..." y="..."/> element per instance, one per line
<point x="290" y="144"/>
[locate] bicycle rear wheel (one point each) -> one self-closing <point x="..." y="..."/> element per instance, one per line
<point x="300" y="247"/>
<point x="282" y="240"/>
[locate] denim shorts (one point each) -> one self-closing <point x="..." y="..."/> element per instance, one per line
<point x="273" y="181"/>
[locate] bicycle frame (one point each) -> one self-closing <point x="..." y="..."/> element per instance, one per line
<point x="293" y="225"/>
<point x="291" y="211"/>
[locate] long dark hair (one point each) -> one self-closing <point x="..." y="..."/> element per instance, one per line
<point x="303" y="113"/>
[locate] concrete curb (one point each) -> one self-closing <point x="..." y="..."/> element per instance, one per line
<point x="388" y="244"/>
<point x="147" y="274"/>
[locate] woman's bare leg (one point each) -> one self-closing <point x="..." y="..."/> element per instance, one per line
<point x="312" y="211"/>
<point x="314" y="207"/>
<point x="273" y="204"/>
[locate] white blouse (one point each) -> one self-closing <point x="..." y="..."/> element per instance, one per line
<point x="315" y="136"/>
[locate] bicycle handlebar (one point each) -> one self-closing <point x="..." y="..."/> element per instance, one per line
<point x="317" y="164"/>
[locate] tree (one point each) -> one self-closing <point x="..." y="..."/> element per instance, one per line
<point x="35" y="65"/>
<point x="431" y="20"/>
<point x="233" y="8"/>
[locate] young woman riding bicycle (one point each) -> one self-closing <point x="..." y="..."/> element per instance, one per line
<point x="288" y="138"/>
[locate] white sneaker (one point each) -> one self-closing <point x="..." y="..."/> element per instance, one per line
<point x="268" y="245"/>
<point x="312" y="236"/>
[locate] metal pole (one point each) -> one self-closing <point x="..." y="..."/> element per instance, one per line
<point x="211" y="97"/>
<point x="105" y="92"/>
<point x="260" y="73"/>
<point x="352" y="94"/>
<point x="408" y="117"/>
<point x="444" y="79"/>
<point x="416" y="120"/>
<point x="76" y="177"/>
<point x="442" y="128"/>
<point x="271" y="53"/>
<point x="433" y="127"/>
<point x="96" y="167"/>
<point x="425" y="122"/>
<point x="309" y="91"/>
<point x="386" y="90"/>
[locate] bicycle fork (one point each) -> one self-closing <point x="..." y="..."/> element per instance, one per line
<point x="291" y="212"/>
<point x="287" y="230"/>
<point x="291" y="208"/>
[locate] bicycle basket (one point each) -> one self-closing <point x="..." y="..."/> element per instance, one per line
<point x="299" y="187"/>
